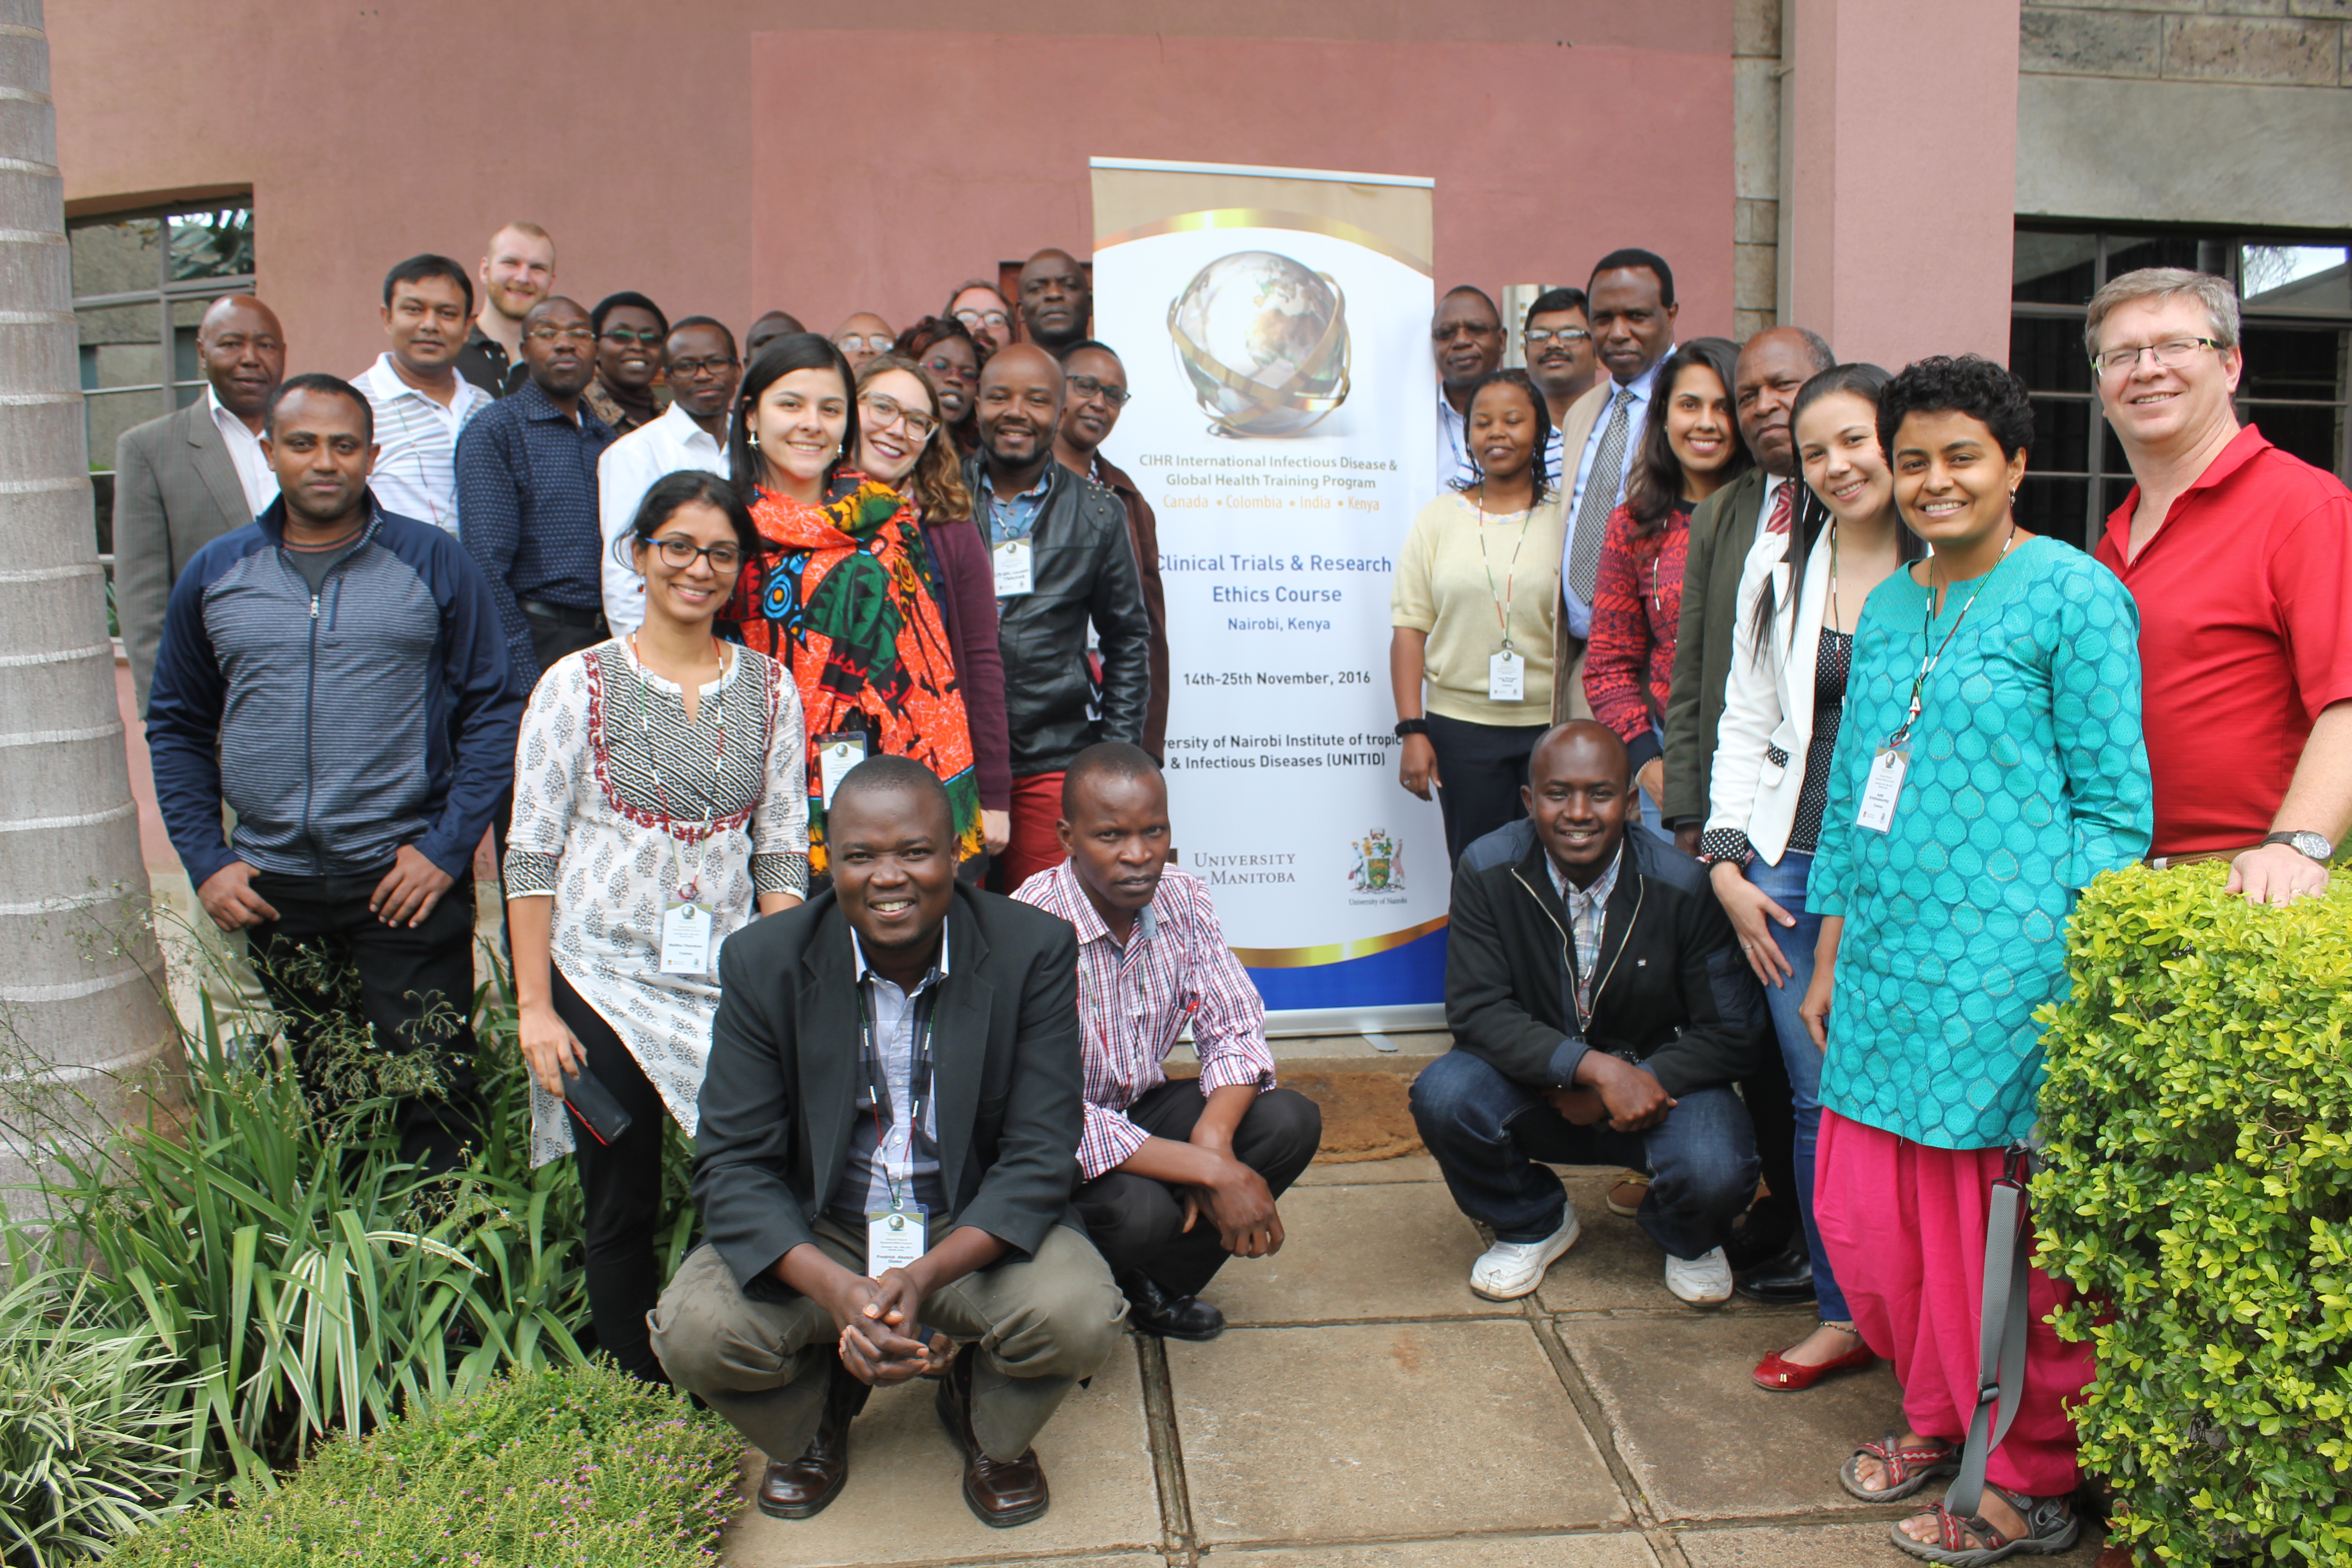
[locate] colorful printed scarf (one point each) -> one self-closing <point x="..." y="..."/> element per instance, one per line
<point x="850" y="604"/>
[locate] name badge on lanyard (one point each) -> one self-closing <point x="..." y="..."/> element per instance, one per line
<point x="686" y="934"/>
<point x="894" y="1238"/>
<point x="1882" y="788"/>
<point x="1506" y="677"/>
<point x="1013" y="575"/>
<point x="836" y="755"/>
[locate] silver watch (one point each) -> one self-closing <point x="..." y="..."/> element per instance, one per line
<point x="2309" y="844"/>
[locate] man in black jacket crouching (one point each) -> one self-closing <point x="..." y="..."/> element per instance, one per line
<point x="1601" y="1014"/>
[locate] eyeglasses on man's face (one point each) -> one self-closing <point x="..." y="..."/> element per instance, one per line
<point x="650" y="337"/>
<point x="1544" y="337"/>
<point x="696" y="369"/>
<point x="678" y="553"/>
<point x="975" y="320"/>
<point x="547" y="334"/>
<point x="2171" y="353"/>
<point x="865" y="343"/>
<point x="1087" y="386"/>
<point x="884" y="411"/>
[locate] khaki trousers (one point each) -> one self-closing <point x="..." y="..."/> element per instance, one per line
<point x="1042" y="1323"/>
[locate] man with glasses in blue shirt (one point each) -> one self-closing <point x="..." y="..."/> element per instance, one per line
<point x="1096" y="390"/>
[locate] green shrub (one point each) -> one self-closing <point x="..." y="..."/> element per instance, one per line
<point x="580" y="1468"/>
<point x="2199" y="1113"/>
<point x="94" y="1424"/>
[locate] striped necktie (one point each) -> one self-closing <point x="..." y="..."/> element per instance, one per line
<point x="1600" y="500"/>
<point x="1783" y="504"/>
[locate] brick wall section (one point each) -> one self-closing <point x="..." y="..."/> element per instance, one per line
<point x="1756" y="163"/>
<point x="2258" y="43"/>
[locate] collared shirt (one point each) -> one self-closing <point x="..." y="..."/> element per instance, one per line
<point x="1637" y="413"/>
<point x="896" y="1015"/>
<point x="1773" y="485"/>
<point x="1134" y="1000"/>
<point x="2245" y="635"/>
<point x="253" y="469"/>
<point x="484" y="361"/>
<point x="629" y="467"/>
<point x="1588" y="915"/>
<point x="527" y="481"/>
<point x="416" y="461"/>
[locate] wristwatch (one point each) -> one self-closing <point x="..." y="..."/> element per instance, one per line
<point x="1412" y="727"/>
<point x="2310" y="843"/>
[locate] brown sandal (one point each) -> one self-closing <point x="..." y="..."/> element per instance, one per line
<point x="1907" y="1470"/>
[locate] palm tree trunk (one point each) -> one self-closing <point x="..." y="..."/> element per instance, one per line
<point x="80" y="1004"/>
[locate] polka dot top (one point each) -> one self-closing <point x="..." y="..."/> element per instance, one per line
<point x="1830" y="666"/>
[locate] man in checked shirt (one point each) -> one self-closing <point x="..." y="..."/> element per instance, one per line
<point x="1174" y="1175"/>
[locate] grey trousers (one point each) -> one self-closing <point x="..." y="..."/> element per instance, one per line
<point x="1042" y="1323"/>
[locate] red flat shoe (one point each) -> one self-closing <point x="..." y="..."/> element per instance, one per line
<point x="1781" y="1376"/>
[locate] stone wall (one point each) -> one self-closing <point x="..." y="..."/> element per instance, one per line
<point x="1756" y="165"/>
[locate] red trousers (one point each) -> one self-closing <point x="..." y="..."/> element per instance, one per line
<point x="1905" y="1227"/>
<point x="1034" y="846"/>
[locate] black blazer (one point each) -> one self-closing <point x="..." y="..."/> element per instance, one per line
<point x="1671" y="989"/>
<point x="782" y="1088"/>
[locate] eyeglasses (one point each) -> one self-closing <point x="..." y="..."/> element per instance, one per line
<point x="689" y="369"/>
<point x="870" y="343"/>
<point x="889" y="411"/>
<point x="1087" y="386"/>
<point x="677" y="554"/>
<point x="983" y="319"/>
<point x="562" y="334"/>
<point x="649" y="337"/>
<point x="949" y="369"/>
<point x="1544" y="337"/>
<point x="2171" y="352"/>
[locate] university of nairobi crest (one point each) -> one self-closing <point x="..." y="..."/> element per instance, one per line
<point x="1378" y="868"/>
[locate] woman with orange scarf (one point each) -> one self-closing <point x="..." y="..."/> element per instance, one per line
<point x="844" y="595"/>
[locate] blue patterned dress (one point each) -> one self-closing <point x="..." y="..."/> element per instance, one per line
<point x="2027" y="779"/>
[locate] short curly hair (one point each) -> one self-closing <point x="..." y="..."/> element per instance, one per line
<point x="1958" y="383"/>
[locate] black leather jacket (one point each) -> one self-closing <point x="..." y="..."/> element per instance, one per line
<point x="1082" y="569"/>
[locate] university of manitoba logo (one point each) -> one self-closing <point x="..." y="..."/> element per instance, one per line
<point x="1378" y="868"/>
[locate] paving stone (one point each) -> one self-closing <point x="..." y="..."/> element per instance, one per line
<point x="1615" y="1265"/>
<point x="1702" y="1441"/>
<point x="903" y="1502"/>
<point x="1330" y="1434"/>
<point x="1397" y="1251"/>
<point x="1369" y="1172"/>
<point x="1613" y="1550"/>
<point x="1826" y="1546"/>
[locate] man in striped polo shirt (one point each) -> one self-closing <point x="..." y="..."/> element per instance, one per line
<point x="420" y="403"/>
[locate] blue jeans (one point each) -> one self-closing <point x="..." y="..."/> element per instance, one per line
<point x="1785" y="885"/>
<point x="1488" y="1133"/>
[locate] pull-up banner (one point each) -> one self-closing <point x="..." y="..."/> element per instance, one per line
<point x="1274" y="328"/>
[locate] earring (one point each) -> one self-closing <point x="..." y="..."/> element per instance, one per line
<point x="753" y="437"/>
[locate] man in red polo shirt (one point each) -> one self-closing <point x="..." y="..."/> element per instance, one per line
<point x="2240" y="557"/>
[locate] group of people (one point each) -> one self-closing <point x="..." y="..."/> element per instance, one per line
<point x="759" y="669"/>
<point x="1747" y="882"/>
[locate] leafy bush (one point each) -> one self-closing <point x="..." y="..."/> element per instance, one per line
<point x="94" y="1424"/>
<point x="579" y="1468"/>
<point x="2198" y="1112"/>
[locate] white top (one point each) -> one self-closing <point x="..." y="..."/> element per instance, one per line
<point x="416" y="460"/>
<point x="253" y="469"/>
<point x="1453" y="464"/>
<point x="1767" y="729"/>
<point x="629" y="467"/>
<point x="1637" y="412"/>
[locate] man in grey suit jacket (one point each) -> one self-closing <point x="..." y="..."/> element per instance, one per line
<point x="184" y="479"/>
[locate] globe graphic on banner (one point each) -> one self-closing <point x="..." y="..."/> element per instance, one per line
<point x="1265" y="343"/>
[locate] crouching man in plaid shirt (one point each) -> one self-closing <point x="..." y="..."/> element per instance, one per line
<point x="1174" y="1174"/>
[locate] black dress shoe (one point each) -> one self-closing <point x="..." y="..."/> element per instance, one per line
<point x="1786" y="1280"/>
<point x="800" y="1489"/>
<point x="1156" y="1310"/>
<point x="1000" y="1494"/>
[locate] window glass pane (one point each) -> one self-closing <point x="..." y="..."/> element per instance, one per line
<point x="211" y="244"/>
<point x="2112" y="491"/>
<point x="102" y="496"/>
<point x="110" y="414"/>
<point x="2054" y="507"/>
<point x="2061" y="436"/>
<point x="2130" y="252"/>
<point x="116" y="257"/>
<point x="2053" y="268"/>
<point x="2048" y="353"/>
<point x="130" y="361"/>
<point x="2312" y="431"/>
<point x="2304" y="364"/>
<point x="2294" y="277"/>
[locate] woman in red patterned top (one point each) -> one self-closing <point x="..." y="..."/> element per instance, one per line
<point x="1690" y="448"/>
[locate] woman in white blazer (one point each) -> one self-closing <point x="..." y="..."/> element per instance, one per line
<point x="1800" y="595"/>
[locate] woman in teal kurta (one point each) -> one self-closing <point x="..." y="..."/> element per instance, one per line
<point x="2006" y="670"/>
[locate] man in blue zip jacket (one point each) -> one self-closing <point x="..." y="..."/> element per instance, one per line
<point x="335" y="674"/>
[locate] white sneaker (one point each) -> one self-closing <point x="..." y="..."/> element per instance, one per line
<point x="1509" y="1269"/>
<point x="1704" y="1281"/>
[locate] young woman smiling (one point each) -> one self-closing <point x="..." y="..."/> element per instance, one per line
<point x="848" y="599"/>
<point x="657" y="773"/>
<point x="1470" y="661"/>
<point x="1988" y="765"/>
<point x="950" y="358"/>
<point x="1690" y="448"/>
<point x="1801" y="596"/>
<point x="903" y="444"/>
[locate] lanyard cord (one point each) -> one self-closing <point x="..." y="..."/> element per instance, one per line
<point x="1510" y="573"/>
<point x="918" y="1082"/>
<point x="686" y="886"/>
<point x="1928" y="661"/>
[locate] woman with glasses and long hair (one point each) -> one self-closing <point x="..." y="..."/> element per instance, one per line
<point x="1690" y="448"/>
<point x="847" y="595"/>
<point x="950" y="358"/>
<point x="902" y="443"/>
<point x="659" y="801"/>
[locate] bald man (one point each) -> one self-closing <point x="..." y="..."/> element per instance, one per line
<point x="863" y="338"/>
<point x="181" y="481"/>
<point x="1601" y="1014"/>
<point x="1063" y="558"/>
<point x="771" y="326"/>
<point x="1057" y="301"/>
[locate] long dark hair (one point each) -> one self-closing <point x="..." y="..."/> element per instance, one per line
<point x="1655" y="483"/>
<point x="1526" y="383"/>
<point x="927" y="334"/>
<point x="1865" y="380"/>
<point x="794" y="351"/>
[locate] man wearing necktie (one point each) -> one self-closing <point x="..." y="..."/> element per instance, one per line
<point x="1631" y="308"/>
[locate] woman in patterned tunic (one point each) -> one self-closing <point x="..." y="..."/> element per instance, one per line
<point x="2001" y="677"/>
<point x="657" y="773"/>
